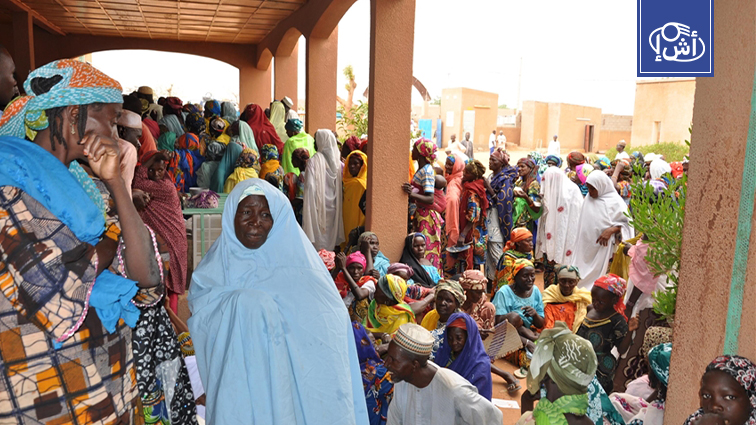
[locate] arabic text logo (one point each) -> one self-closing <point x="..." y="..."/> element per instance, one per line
<point x="674" y="36"/>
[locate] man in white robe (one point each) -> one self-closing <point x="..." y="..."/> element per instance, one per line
<point x="425" y="393"/>
<point x="555" y="147"/>
<point x="621" y="154"/>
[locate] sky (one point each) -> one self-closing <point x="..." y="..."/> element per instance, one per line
<point x="581" y="52"/>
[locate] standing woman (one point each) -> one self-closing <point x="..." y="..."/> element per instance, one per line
<point x="472" y="214"/>
<point x="500" y="189"/>
<point x="527" y="207"/>
<point x="355" y="184"/>
<point x="562" y="203"/>
<point x="51" y="308"/>
<point x="454" y="169"/>
<point x="278" y="119"/>
<point x="263" y="130"/>
<point x="602" y="222"/>
<point x="322" y="221"/>
<point x="427" y="220"/>
<point x="243" y="314"/>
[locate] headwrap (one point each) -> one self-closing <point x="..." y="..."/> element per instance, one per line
<point x="513" y="268"/>
<point x="167" y="141"/>
<point x="540" y="163"/>
<point x="580" y="297"/>
<point x="454" y="288"/>
<point x="659" y="359"/>
<point x="248" y="159"/>
<point x="421" y="276"/>
<point x="356" y="257"/>
<point x="195" y="123"/>
<point x="173" y="105"/>
<point x="328" y="258"/>
<point x="130" y="119"/>
<point x="527" y="161"/>
<point x="453" y="195"/>
<point x="353" y="143"/>
<point x="364" y="236"/>
<point x="173" y="124"/>
<point x="568" y="359"/>
<point x="658" y="168"/>
<point x="265" y="133"/>
<point x="61" y="83"/>
<point x="576" y="158"/>
<point x="426" y="148"/>
<point x="654" y="336"/>
<point x="583" y="170"/>
<point x="229" y="112"/>
<point x="400" y="267"/>
<point x="518" y="234"/>
<point x="475" y="168"/>
<point x="218" y="125"/>
<point x="393" y="286"/>
<point x="213" y="107"/>
<point x="499" y="154"/>
<point x="532" y="175"/>
<point x="638" y="156"/>
<point x="472" y="363"/>
<point x="268" y="152"/>
<point x="473" y="280"/>
<point x="568" y="272"/>
<point x="415" y="339"/>
<point x="603" y="162"/>
<point x="294" y="125"/>
<point x="301" y="154"/>
<point x="617" y="286"/>
<point x="622" y="142"/>
<point x="556" y="159"/>
<point x="677" y="169"/>
<point x="743" y="371"/>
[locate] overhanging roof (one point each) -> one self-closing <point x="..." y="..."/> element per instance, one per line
<point x="221" y="21"/>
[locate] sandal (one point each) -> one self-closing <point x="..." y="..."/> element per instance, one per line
<point x="520" y="373"/>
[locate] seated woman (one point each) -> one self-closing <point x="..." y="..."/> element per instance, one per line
<point x="414" y="292"/>
<point x="426" y="274"/>
<point x="163" y="214"/>
<point x="462" y="351"/>
<point x="247" y="167"/>
<point x="449" y="297"/>
<point x="606" y="327"/>
<point x="368" y="243"/>
<point x="519" y="246"/>
<point x="476" y="304"/>
<point x="728" y="379"/>
<point x="562" y="368"/>
<point x="648" y="410"/>
<point x="566" y="302"/>
<point x="387" y="310"/>
<point x="243" y="314"/>
<point x="355" y="288"/>
<point x="520" y="303"/>
<point x="379" y="390"/>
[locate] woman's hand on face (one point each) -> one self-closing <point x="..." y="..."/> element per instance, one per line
<point x="340" y="261"/>
<point x="407" y="188"/>
<point x="102" y="154"/>
<point x="606" y="235"/>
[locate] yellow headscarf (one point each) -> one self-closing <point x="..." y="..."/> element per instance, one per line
<point x="354" y="188"/>
<point x="580" y="297"/>
<point x="387" y="319"/>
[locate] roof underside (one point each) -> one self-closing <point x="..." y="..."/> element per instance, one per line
<point x="222" y="21"/>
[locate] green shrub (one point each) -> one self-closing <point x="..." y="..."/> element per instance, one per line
<point x="672" y="151"/>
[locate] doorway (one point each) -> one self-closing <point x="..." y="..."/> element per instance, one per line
<point x="588" y="146"/>
<point x="657" y="132"/>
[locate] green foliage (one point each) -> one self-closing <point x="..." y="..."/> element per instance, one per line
<point x="672" y="151"/>
<point x="660" y="218"/>
<point x="436" y="100"/>
<point x="503" y="106"/>
<point x="356" y="122"/>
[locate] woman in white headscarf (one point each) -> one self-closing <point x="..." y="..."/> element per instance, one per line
<point x="558" y="226"/>
<point x="658" y="168"/>
<point x="321" y="214"/>
<point x="602" y="219"/>
<point x="278" y="119"/>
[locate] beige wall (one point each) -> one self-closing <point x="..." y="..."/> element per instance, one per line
<point x="461" y="99"/>
<point x="610" y="138"/>
<point x="541" y="121"/>
<point x="669" y="102"/>
<point x="511" y="133"/>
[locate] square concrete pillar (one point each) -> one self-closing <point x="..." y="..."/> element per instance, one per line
<point x="392" y="34"/>
<point x="320" y="109"/>
<point x="23" y="45"/>
<point x="714" y="280"/>
<point x="255" y="86"/>
<point x="286" y="76"/>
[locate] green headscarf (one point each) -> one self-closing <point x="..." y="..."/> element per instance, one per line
<point x="568" y="359"/>
<point x="167" y="141"/>
<point x="658" y="360"/>
<point x="454" y="287"/>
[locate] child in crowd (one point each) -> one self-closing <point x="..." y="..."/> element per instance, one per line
<point x="728" y="393"/>
<point x="425" y="273"/>
<point x="521" y="304"/>
<point x="606" y="326"/>
<point x="355" y="288"/>
<point x="565" y="301"/>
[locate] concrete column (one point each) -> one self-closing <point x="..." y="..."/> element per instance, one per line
<point x="254" y="86"/>
<point x="322" y="72"/>
<point x="23" y="45"/>
<point x="721" y="116"/>
<point x="286" y="76"/>
<point x="392" y="33"/>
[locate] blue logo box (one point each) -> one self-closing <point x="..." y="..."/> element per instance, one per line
<point x="675" y="38"/>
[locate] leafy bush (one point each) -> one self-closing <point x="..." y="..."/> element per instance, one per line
<point x="672" y="151"/>
<point x="354" y="123"/>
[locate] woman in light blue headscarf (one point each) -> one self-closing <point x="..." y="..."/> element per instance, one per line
<point x="172" y="123"/>
<point x="272" y="337"/>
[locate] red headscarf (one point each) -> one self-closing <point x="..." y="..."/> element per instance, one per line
<point x="617" y="286"/>
<point x="677" y="169"/>
<point x="265" y="133"/>
<point x="353" y="143"/>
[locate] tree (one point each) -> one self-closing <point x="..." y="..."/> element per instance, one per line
<point x="436" y="100"/>
<point x="350" y="87"/>
<point x="354" y="123"/>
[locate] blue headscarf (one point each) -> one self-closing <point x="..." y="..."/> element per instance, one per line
<point x="556" y="159"/>
<point x="472" y="363"/>
<point x="603" y="162"/>
<point x="294" y="125"/>
<point x="297" y="352"/>
<point x="173" y="124"/>
<point x="214" y="107"/>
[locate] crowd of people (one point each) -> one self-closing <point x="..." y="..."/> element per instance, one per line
<point x="297" y="316"/>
